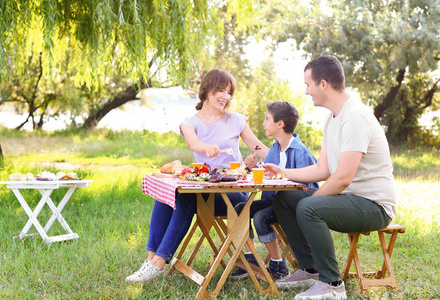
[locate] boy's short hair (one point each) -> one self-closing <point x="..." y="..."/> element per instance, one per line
<point x="286" y="112"/>
<point x="328" y="68"/>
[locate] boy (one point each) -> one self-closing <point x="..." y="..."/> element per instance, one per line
<point x="287" y="152"/>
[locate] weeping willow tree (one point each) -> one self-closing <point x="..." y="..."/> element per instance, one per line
<point x="110" y="49"/>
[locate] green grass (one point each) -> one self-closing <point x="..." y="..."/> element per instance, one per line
<point x="112" y="215"/>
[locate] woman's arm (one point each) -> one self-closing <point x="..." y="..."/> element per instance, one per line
<point x="197" y="145"/>
<point x="253" y="143"/>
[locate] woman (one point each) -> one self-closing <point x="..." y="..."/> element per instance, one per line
<point x="212" y="128"/>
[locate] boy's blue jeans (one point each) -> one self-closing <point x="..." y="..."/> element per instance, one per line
<point x="168" y="227"/>
<point x="262" y="213"/>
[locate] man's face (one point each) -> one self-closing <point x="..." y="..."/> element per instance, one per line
<point x="312" y="89"/>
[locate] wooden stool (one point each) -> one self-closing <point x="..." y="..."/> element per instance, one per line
<point x="378" y="276"/>
<point x="283" y="243"/>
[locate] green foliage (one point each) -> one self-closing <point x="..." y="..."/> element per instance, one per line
<point x="265" y="87"/>
<point x="107" y="47"/>
<point x="144" y="36"/>
<point x="34" y="93"/>
<point x="390" y="51"/>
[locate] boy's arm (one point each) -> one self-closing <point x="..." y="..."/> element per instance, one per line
<point x="251" y="161"/>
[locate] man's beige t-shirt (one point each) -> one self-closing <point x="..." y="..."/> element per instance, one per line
<point x="357" y="129"/>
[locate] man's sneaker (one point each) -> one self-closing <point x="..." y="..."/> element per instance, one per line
<point x="145" y="273"/>
<point x="240" y="273"/>
<point x="300" y="278"/>
<point x="322" y="290"/>
<point x="278" y="269"/>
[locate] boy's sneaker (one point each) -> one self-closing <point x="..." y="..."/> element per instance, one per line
<point x="145" y="273"/>
<point x="322" y="290"/>
<point x="241" y="273"/>
<point x="278" y="269"/>
<point x="300" y="278"/>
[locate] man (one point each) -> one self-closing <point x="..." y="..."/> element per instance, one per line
<point x="358" y="194"/>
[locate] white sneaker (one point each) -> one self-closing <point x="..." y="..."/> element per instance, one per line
<point x="145" y="273"/>
<point x="300" y="278"/>
<point x="322" y="290"/>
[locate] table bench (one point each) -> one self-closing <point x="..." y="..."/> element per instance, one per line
<point x="383" y="277"/>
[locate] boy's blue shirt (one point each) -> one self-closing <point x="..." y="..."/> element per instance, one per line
<point x="298" y="156"/>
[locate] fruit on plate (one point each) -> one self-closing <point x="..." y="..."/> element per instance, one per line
<point x="197" y="174"/>
<point x="278" y="176"/>
<point x="205" y="168"/>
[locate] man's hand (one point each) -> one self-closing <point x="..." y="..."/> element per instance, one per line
<point x="271" y="169"/>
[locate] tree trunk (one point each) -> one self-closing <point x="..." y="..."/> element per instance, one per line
<point x="389" y="98"/>
<point x="1" y="158"/>
<point x="126" y="96"/>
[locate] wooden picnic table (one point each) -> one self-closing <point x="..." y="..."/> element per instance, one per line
<point x="233" y="235"/>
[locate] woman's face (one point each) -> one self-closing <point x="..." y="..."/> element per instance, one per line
<point x="219" y="99"/>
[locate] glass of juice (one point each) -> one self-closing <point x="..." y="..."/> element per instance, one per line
<point x="258" y="174"/>
<point x="235" y="164"/>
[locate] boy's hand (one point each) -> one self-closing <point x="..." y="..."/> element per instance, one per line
<point x="251" y="161"/>
<point x="271" y="169"/>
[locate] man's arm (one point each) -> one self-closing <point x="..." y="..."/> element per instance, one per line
<point x="313" y="173"/>
<point x="342" y="178"/>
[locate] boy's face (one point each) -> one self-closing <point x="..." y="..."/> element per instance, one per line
<point x="271" y="127"/>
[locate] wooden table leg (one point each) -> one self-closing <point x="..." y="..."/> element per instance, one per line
<point x="238" y="235"/>
<point x="205" y="220"/>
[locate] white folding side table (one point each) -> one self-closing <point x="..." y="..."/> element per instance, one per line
<point x="46" y="188"/>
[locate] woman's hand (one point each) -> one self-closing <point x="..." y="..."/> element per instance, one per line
<point x="251" y="161"/>
<point x="212" y="150"/>
<point x="271" y="169"/>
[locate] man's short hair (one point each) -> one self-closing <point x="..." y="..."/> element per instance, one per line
<point x="286" y="112"/>
<point x="328" y="68"/>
